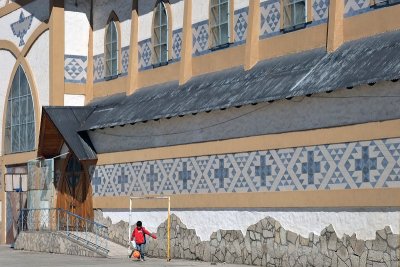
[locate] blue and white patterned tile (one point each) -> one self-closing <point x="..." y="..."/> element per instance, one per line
<point x="320" y="10"/>
<point x="144" y="54"/>
<point x="124" y="60"/>
<point x="355" y="7"/>
<point x="270" y="18"/>
<point x="200" y="38"/>
<point x="99" y="68"/>
<point x="241" y="23"/>
<point x="75" y="68"/>
<point x="367" y="164"/>
<point x="21" y="27"/>
<point x="177" y="37"/>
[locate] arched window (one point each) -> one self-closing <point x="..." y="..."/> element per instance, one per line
<point x="219" y="22"/>
<point x="160" y="34"/>
<point x="20" y="118"/>
<point x="111" y="50"/>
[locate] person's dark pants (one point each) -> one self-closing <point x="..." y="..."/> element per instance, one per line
<point x="140" y="247"/>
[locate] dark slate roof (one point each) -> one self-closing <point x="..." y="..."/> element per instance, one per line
<point x="68" y="121"/>
<point x="358" y="62"/>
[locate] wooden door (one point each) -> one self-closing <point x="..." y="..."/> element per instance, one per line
<point x="74" y="188"/>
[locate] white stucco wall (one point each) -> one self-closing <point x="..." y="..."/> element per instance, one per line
<point x="38" y="60"/>
<point x="36" y="8"/>
<point x="77" y="27"/>
<point x="2" y="3"/>
<point x="362" y="222"/>
<point x="200" y="10"/>
<point x="102" y="10"/>
<point x="7" y="62"/>
<point x="146" y="8"/>
<point x="74" y="100"/>
<point x="177" y="10"/>
<point x="238" y="4"/>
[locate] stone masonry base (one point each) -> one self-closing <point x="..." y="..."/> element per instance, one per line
<point x="267" y="243"/>
<point x="52" y="243"/>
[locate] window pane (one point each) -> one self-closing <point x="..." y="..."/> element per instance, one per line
<point x="224" y="13"/>
<point x="157" y="36"/>
<point x="300" y="15"/>
<point x="215" y="36"/>
<point x="8" y="115"/>
<point x="23" y="138"/>
<point x="114" y="67"/>
<point x="31" y="113"/>
<point x="24" y="88"/>
<point x="14" y="87"/>
<point x="31" y="136"/>
<point x="164" y="34"/>
<point x="214" y="2"/>
<point x="287" y="16"/>
<point x="164" y="53"/>
<point x="15" y="139"/>
<point x="15" y="112"/>
<point x="114" y="51"/>
<point x="214" y="16"/>
<point x="156" y="17"/>
<point x="163" y="16"/>
<point x="24" y="109"/>
<point x="224" y="34"/>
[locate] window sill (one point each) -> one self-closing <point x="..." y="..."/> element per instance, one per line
<point x="109" y="78"/>
<point x="387" y="4"/>
<point x="219" y="47"/>
<point x="161" y="64"/>
<point x="295" y="27"/>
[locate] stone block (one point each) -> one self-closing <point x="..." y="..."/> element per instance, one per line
<point x="393" y="241"/>
<point x="374" y="255"/>
<point x="291" y="237"/>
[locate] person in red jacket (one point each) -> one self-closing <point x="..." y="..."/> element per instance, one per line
<point x="139" y="235"/>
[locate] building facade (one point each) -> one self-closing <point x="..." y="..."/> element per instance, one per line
<point x="237" y="109"/>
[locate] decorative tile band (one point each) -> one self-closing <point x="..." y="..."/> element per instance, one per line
<point x="271" y="17"/>
<point x="367" y="164"/>
<point x="356" y="7"/>
<point x="144" y="54"/>
<point x="240" y="25"/>
<point x="177" y="37"/>
<point x="125" y="60"/>
<point x="75" y="68"/>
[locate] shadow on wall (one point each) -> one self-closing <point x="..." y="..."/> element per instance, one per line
<point x="267" y="243"/>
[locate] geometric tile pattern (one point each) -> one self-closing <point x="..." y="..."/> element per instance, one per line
<point x="320" y="9"/>
<point x="271" y="17"/>
<point x="355" y="165"/>
<point x="355" y="7"/>
<point x="144" y="54"/>
<point x="177" y="37"/>
<point x="200" y="38"/>
<point x="21" y="27"/>
<point x="124" y="60"/>
<point x="99" y="68"/>
<point x="75" y="68"/>
<point x="240" y="22"/>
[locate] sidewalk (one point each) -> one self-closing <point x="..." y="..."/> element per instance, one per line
<point x="14" y="258"/>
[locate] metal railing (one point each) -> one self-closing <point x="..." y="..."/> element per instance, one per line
<point x="83" y="230"/>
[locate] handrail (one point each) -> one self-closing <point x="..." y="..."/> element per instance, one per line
<point x="74" y="226"/>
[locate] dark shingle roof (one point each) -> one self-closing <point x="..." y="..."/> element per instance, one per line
<point x="68" y="120"/>
<point x="358" y="62"/>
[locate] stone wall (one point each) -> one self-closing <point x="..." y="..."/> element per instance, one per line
<point x="51" y="243"/>
<point x="267" y="243"/>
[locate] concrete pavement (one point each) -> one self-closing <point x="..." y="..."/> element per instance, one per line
<point x="14" y="258"/>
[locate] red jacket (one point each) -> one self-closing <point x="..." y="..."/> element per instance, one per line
<point x="139" y="235"/>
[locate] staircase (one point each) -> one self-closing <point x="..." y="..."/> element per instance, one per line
<point x="53" y="224"/>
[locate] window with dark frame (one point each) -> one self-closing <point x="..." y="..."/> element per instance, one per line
<point x="111" y="50"/>
<point x="219" y="22"/>
<point x="294" y="13"/>
<point x="20" y="116"/>
<point x="160" y="34"/>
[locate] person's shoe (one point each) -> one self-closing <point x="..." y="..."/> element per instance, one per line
<point x="141" y="259"/>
